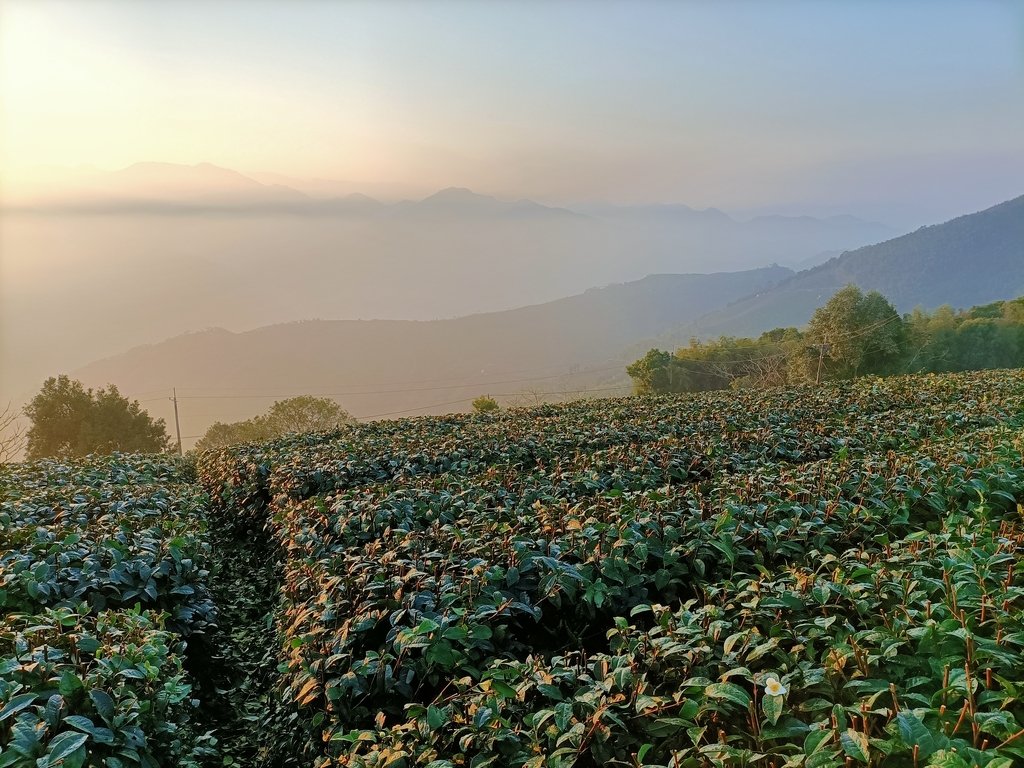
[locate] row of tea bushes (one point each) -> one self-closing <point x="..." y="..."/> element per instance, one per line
<point x="103" y="571"/>
<point x="395" y="616"/>
<point x="790" y="425"/>
<point x="516" y="590"/>
<point x="911" y="655"/>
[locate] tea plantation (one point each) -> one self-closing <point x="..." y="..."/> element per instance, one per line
<point x="820" y="576"/>
<point x="103" y="580"/>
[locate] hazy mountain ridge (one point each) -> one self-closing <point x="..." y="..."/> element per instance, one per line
<point x="574" y="344"/>
<point x="155" y="187"/>
<point x="223" y="249"/>
<point x="570" y="344"/>
<point x="459" y="201"/>
<point x="970" y="260"/>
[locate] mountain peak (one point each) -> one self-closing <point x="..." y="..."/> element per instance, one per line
<point x="456" y="194"/>
<point x="460" y="200"/>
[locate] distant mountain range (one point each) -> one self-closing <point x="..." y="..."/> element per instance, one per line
<point x="172" y="189"/>
<point x="970" y="260"/>
<point x="179" y="247"/>
<point x="384" y="366"/>
<point x="658" y="232"/>
<point x="578" y="344"/>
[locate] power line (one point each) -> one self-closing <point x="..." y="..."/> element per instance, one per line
<point x="564" y="391"/>
<point x="759" y="358"/>
<point x="478" y="385"/>
<point x="464" y="385"/>
<point x="147" y="392"/>
<point x="419" y="408"/>
<point x="177" y="424"/>
<point x="869" y="328"/>
<point x="406" y="390"/>
<point x="561" y="366"/>
<point x="466" y="400"/>
<point x="752" y="358"/>
<point x="470" y="398"/>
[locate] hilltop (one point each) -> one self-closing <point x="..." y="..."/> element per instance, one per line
<point x="971" y="260"/>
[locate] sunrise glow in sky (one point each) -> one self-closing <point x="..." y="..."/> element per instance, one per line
<point x="728" y="104"/>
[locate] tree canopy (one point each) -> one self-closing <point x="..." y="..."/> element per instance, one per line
<point x="853" y="334"/>
<point x="485" y="404"/>
<point x="69" y="420"/>
<point x="307" y="414"/>
<point x="856" y="333"/>
<point x="727" y="362"/>
<point x="297" y="414"/>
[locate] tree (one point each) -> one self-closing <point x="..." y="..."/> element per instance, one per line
<point x="882" y="334"/>
<point x="988" y="336"/>
<point x="69" y="420"/>
<point x="719" y="364"/>
<point x="58" y="413"/>
<point x="297" y="414"/>
<point x="221" y="435"/>
<point x="117" y="424"/>
<point x="985" y="343"/>
<point x="737" y="362"/>
<point x="12" y="434"/>
<point x="853" y="334"/>
<point x="307" y="414"/>
<point x="652" y="373"/>
<point x="486" y="404"/>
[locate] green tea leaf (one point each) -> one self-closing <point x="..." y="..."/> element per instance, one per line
<point x="16" y="704"/>
<point x="728" y="691"/>
<point x="772" y="706"/>
<point x="63" y="745"/>
<point x="913" y="732"/>
<point x="855" y="744"/>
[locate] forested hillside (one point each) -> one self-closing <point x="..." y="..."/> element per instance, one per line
<point x="973" y="259"/>
<point x="852" y="334"/>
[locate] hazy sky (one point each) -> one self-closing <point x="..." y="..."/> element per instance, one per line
<point x="818" y="106"/>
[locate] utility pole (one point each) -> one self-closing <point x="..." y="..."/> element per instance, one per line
<point x="177" y="426"/>
<point x="821" y="359"/>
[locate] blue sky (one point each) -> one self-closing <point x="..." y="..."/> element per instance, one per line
<point x="915" y="109"/>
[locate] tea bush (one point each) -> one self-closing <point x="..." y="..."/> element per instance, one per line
<point x="103" y="571"/>
<point x="802" y="577"/>
<point x="813" y="576"/>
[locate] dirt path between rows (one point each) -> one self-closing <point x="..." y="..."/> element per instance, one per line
<point x="234" y="668"/>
